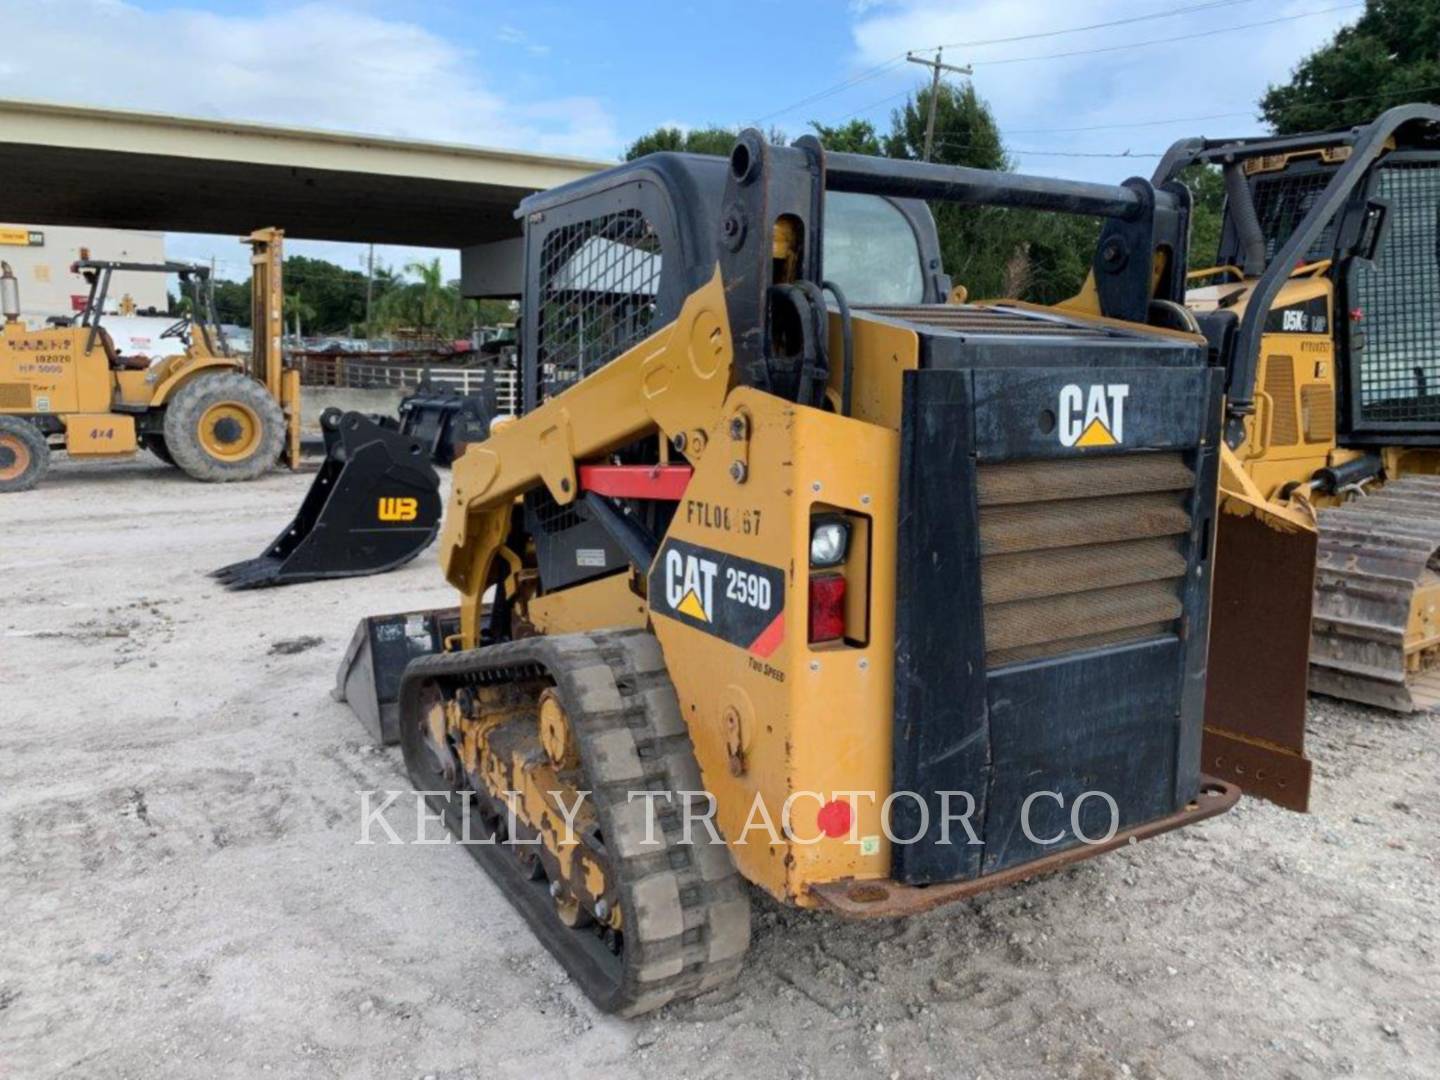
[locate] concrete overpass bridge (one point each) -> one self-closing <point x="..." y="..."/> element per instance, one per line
<point x="75" y="165"/>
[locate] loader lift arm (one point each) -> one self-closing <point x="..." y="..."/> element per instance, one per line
<point x="674" y="381"/>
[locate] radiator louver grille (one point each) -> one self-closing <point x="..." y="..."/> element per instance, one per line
<point x="1280" y="385"/>
<point x="1317" y="404"/>
<point x="14" y="395"/>
<point x="1081" y="553"/>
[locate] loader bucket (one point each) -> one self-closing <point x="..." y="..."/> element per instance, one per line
<point x="1264" y="575"/>
<point x="444" y="420"/>
<point x="374" y="505"/>
<point x="369" y="676"/>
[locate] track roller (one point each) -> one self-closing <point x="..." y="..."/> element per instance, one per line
<point x="504" y="740"/>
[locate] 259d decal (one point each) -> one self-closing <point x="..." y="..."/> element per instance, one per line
<point x="735" y="599"/>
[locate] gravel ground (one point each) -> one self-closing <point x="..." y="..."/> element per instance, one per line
<point x="184" y="895"/>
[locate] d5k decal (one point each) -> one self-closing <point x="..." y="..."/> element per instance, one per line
<point x="734" y="599"/>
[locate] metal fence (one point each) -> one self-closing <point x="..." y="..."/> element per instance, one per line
<point x="356" y="373"/>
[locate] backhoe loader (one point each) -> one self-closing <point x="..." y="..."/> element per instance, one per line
<point x="796" y="570"/>
<point x="216" y="416"/>
<point x="1324" y="312"/>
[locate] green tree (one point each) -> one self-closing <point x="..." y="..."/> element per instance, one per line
<point x="299" y="312"/>
<point x="856" y="137"/>
<point x="706" y="140"/>
<point x="1207" y="192"/>
<point x="494" y="312"/>
<point x="991" y="251"/>
<point x="1390" y="56"/>
<point x="425" y="305"/>
<point x="336" y="295"/>
<point x="965" y="130"/>
<point x="232" y="302"/>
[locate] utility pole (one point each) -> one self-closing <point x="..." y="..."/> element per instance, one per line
<point x="936" y="66"/>
<point x="369" y="291"/>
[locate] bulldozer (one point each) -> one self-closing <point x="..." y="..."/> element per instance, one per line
<point x="798" y="570"/>
<point x="216" y="416"/>
<point x="1324" y="312"/>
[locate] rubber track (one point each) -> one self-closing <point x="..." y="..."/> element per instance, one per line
<point x="686" y="912"/>
<point x="1373" y="553"/>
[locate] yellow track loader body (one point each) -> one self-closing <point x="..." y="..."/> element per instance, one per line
<point x="793" y="572"/>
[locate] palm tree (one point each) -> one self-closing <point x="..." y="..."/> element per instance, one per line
<point x="428" y="305"/>
<point x="296" y="307"/>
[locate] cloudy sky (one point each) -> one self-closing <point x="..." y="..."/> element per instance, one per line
<point x="584" y="78"/>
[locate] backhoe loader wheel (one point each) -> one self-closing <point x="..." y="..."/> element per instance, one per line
<point x="24" y="454"/>
<point x="643" y="911"/>
<point x="225" y="427"/>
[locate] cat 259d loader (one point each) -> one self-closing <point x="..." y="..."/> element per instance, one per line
<point x="798" y="570"/>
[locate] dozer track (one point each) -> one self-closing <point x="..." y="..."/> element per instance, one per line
<point x="675" y="918"/>
<point x="1375" y="630"/>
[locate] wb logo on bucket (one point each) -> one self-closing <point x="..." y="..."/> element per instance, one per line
<point x="1092" y="416"/>
<point x="398" y="510"/>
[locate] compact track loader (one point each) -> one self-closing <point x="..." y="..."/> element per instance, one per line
<point x="912" y="594"/>
<point x="1326" y="319"/>
<point x="216" y="416"/>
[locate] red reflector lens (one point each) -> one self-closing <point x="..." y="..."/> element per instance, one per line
<point x="827" y="607"/>
<point x="834" y="818"/>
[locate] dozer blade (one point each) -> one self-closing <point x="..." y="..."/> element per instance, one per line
<point x="1376" y="634"/>
<point x="374" y="506"/>
<point x="1264" y="573"/>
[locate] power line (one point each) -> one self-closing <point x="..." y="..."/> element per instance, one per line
<point x="865" y="76"/>
<point x="1407" y="93"/>
<point x="1351" y="99"/>
<point x="898" y="59"/>
<point x="936" y="66"/>
<point x="1147" y="123"/>
<point x="1094" y="26"/>
<point x="1134" y="124"/>
<point x="1118" y="48"/>
<point x="873" y="104"/>
<point x="1081" y="153"/>
<point x="1050" y="153"/>
<point x="1168" y="40"/>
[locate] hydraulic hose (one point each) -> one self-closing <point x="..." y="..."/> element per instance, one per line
<point x="1247" y="222"/>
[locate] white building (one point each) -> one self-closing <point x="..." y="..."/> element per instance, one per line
<point x="41" y="256"/>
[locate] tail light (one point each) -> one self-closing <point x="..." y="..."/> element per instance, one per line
<point x="827" y="607"/>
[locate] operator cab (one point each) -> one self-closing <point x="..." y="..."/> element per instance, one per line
<point x="194" y="289"/>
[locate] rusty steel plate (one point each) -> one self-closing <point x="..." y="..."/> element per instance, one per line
<point x="885" y="899"/>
